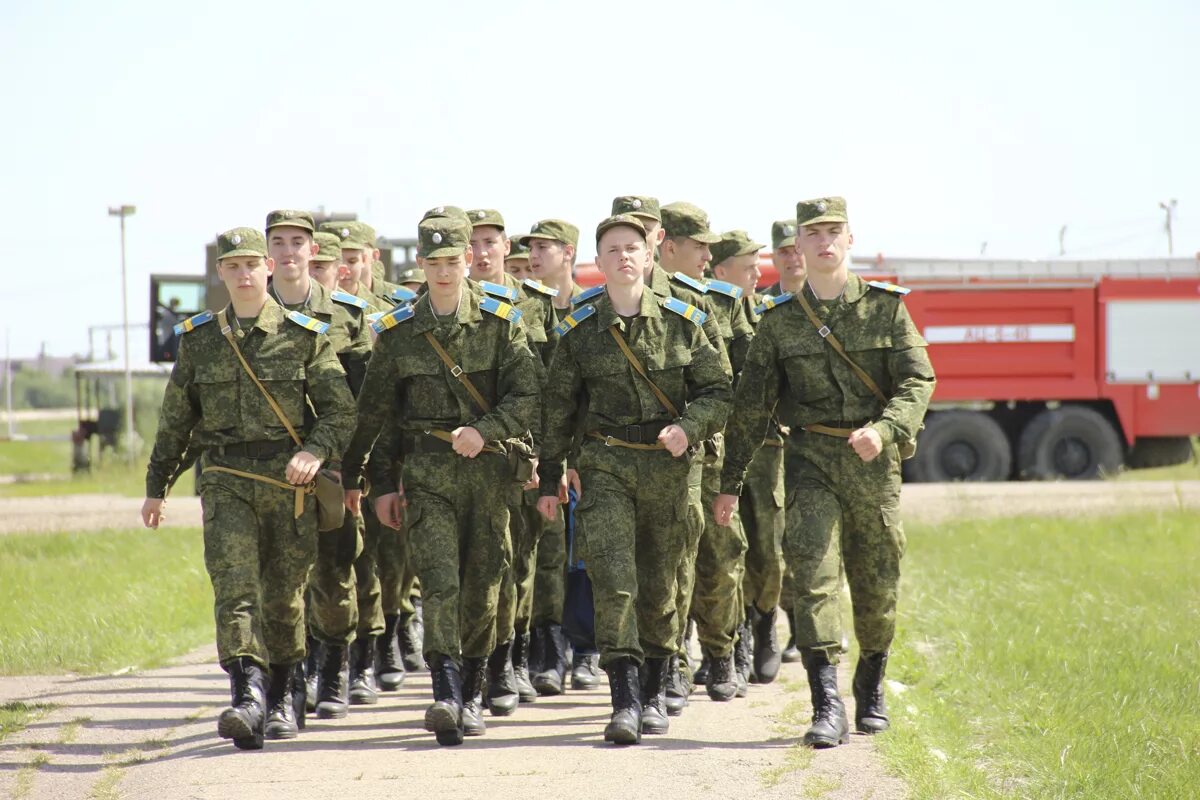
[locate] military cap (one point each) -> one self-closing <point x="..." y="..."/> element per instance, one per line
<point x="732" y="244"/>
<point x="441" y="237"/>
<point x="285" y="217"/>
<point x="554" y="229"/>
<point x="329" y="246"/>
<point x="446" y="212"/>
<point x="783" y="233"/>
<point x="486" y="216"/>
<point x="823" y="209"/>
<point x="363" y="233"/>
<point x="241" y="242"/>
<point x="620" y="221"/>
<point x="518" y="252"/>
<point x="685" y="219"/>
<point x="348" y="234"/>
<point x="412" y="275"/>
<point x="638" y="206"/>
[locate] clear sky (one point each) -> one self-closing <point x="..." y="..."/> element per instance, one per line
<point x="945" y="124"/>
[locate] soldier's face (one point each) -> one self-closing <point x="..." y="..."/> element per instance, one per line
<point x="740" y="271"/>
<point x="292" y="249"/>
<point x="621" y="255"/>
<point x="489" y="246"/>
<point x="444" y="276"/>
<point x="689" y="256"/>
<point x="245" y="277"/>
<point x="325" y="273"/>
<point x="654" y="237"/>
<point x="789" y="263"/>
<point x="354" y="261"/>
<point x="347" y="280"/>
<point x="519" y="268"/>
<point x="547" y="259"/>
<point x="824" y="246"/>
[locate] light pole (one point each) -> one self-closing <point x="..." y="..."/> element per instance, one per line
<point x="123" y="212"/>
<point x="1170" y="209"/>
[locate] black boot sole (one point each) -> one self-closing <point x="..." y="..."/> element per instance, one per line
<point x="877" y="726"/>
<point x="280" y="730"/>
<point x="443" y="722"/>
<point x="622" y="734"/>
<point x="547" y="686"/>
<point x="825" y="742"/>
<point x="473" y="727"/>
<point x="390" y="684"/>
<point x="655" y="725"/>
<point x="231" y="725"/>
<point x="338" y="711"/>
<point x="503" y="705"/>
<point x="363" y="698"/>
<point x="721" y="695"/>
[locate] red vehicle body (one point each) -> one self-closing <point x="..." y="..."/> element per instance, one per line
<point x="1050" y="369"/>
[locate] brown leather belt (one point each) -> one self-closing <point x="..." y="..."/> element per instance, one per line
<point x="612" y="441"/>
<point x="434" y="441"/>
<point x="840" y="428"/>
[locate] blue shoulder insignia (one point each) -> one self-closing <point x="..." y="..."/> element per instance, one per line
<point x="726" y="288"/>
<point x="391" y="319"/>
<point x="374" y="316"/>
<point x="574" y="318"/>
<point x="191" y="323"/>
<point x="539" y="287"/>
<point x="307" y="322"/>
<point x="690" y="282"/>
<point x="496" y="290"/>
<point x="770" y="302"/>
<point x="889" y="287"/>
<point x="587" y="294"/>
<point x="500" y="308"/>
<point x="688" y="312"/>
<point x="347" y="299"/>
<point x="403" y="294"/>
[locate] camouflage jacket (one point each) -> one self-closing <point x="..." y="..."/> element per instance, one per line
<point x="790" y="368"/>
<point x="211" y="401"/>
<point x="349" y="332"/>
<point x="737" y="328"/>
<point x="668" y="285"/>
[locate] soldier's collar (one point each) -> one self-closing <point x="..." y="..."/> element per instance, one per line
<point x="319" y="299"/>
<point x="271" y="316"/>
<point x="468" y="311"/>
<point x="607" y="316"/>
<point x="856" y="287"/>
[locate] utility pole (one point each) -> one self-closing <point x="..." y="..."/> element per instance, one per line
<point x="1169" y="207"/>
<point x="1062" y="239"/>
<point x="123" y="212"/>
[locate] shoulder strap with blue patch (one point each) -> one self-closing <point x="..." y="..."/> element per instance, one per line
<point x="497" y="290"/>
<point x="726" y="288"/>
<point x="500" y="308"/>
<point x="890" y="288"/>
<point x="403" y="294"/>
<point x="685" y="310"/>
<point x="345" y="298"/>
<point x="573" y="319"/>
<point x="770" y="302"/>
<point x="392" y="318"/>
<point x="539" y="287"/>
<point x="690" y="282"/>
<point x="191" y="323"/>
<point x="587" y="294"/>
<point x="307" y="322"/>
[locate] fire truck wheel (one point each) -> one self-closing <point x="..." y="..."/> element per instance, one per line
<point x="1068" y="443"/>
<point x="1159" y="451"/>
<point x="960" y="446"/>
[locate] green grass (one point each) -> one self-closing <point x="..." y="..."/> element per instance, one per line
<point x="1050" y="658"/>
<point x="16" y="716"/>
<point x="1180" y="472"/>
<point x="98" y="602"/>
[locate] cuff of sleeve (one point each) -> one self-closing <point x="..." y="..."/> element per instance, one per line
<point x="487" y="430"/>
<point x="549" y="476"/>
<point x="887" y="433"/>
<point x="155" y="490"/>
<point x="692" y="430"/>
<point x="318" y="451"/>
<point x="732" y="487"/>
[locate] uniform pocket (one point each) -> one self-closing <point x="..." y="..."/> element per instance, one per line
<point x="893" y="526"/>
<point x="870" y="351"/>
<point x="285" y="382"/>
<point x="217" y="387"/>
<point x="806" y="365"/>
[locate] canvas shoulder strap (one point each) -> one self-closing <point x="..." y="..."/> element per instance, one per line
<point x="828" y="336"/>
<point x="457" y="372"/>
<point x="227" y="332"/>
<point x="637" y="365"/>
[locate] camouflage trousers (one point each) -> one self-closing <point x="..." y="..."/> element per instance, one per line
<point x="550" y="575"/>
<point x="718" y="605"/>
<point x="685" y="576"/>
<point x="397" y="580"/>
<point x="332" y="591"/>
<point x="632" y="523"/>
<point x="761" y="510"/>
<point x="516" y="592"/>
<point x="842" y="512"/>
<point x="367" y="572"/>
<point x="258" y="557"/>
<point x="459" y="546"/>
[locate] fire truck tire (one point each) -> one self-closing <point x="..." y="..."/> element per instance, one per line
<point x="1159" y="451"/>
<point x="1069" y="443"/>
<point x="960" y="446"/>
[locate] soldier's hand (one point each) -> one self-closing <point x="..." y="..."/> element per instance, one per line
<point x="152" y="511"/>
<point x="723" y="508"/>
<point x="389" y="508"/>
<point x="548" y="507"/>
<point x="354" y="501"/>
<point x="572" y="477"/>
<point x="467" y="442"/>
<point x="302" y="468"/>
<point x="674" y="439"/>
<point x="866" y="443"/>
<point x="535" y="481"/>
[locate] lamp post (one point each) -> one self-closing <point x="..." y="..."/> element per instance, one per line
<point x="123" y="212"/>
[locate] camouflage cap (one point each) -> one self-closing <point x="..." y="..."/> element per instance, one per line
<point x="241" y="242"/>
<point x="441" y="237"/>
<point x="286" y="217"/>
<point x="638" y="206"/>
<point x="554" y="229"/>
<point x="446" y="212"/>
<point x="823" y="209"/>
<point x="349" y="235"/>
<point x="620" y="221"/>
<point x="685" y="219"/>
<point x="329" y="246"/>
<point x="364" y="232"/>
<point x="733" y="244"/>
<point x="485" y="216"/>
<point x="411" y="275"/>
<point x="783" y="233"/>
<point x="519" y="251"/>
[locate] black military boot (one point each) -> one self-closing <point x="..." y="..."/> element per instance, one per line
<point x="410" y="643"/>
<point x="870" y="710"/>
<point x="654" y="695"/>
<point x="791" y="653"/>
<point x="625" y="725"/>
<point x="243" y="720"/>
<point x="585" y="671"/>
<point x="721" y="684"/>
<point x="281" y="710"/>
<point x="701" y="673"/>
<point x="502" y="692"/>
<point x="299" y="694"/>
<point x="472" y="693"/>
<point x="829" y="725"/>
<point x="677" y="692"/>
<point x="389" y="656"/>
<point x="551" y="678"/>
<point x="520" y="663"/>
<point x="333" y="685"/>
<point x="742" y="659"/>
<point x="312" y="665"/>
<point x="445" y="717"/>
<point x="767" y="657"/>
<point x="363" y="689"/>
